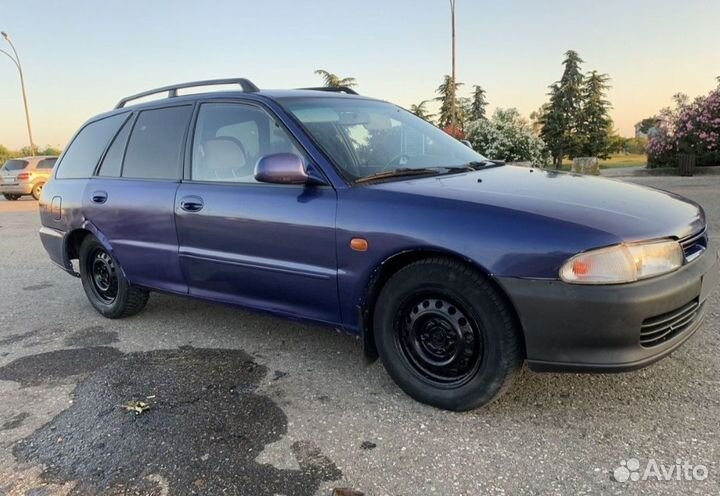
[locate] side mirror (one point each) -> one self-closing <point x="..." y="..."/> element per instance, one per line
<point x="466" y="143"/>
<point x="281" y="168"/>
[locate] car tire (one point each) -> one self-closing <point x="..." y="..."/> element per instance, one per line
<point x="9" y="197"/>
<point x="37" y="190"/>
<point x="446" y="335"/>
<point x="104" y="283"/>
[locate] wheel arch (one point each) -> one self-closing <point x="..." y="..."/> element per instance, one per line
<point x="75" y="238"/>
<point x="391" y="265"/>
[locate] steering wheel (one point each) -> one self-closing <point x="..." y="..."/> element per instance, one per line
<point x="397" y="158"/>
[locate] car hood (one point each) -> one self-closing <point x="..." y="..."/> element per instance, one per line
<point x="626" y="211"/>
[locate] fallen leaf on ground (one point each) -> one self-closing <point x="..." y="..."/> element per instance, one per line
<point x="136" y="406"/>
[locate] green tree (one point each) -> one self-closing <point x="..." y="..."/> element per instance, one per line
<point x="647" y="124"/>
<point x="560" y="123"/>
<point x="478" y="104"/>
<point x="421" y="111"/>
<point x="449" y="106"/>
<point x="595" y="126"/>
<point x="334" y="81"/>
<point x="536" y="118"/>
<point x="4" y="154"/>
<point x="49" y="150"/>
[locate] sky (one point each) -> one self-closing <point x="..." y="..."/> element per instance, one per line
<point x="80" y="57"/>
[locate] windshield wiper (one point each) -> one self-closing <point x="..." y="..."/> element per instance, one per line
<point x="400" y="172"/>
<point x="427" y="171"/>
<point x="484" y="164"/>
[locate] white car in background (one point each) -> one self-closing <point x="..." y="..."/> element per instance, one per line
<point x="25" y="176"/>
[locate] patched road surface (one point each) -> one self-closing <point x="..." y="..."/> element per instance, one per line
<point x="240" y="403"/>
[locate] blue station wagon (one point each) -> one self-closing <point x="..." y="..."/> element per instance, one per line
<point x="330" y="207"/>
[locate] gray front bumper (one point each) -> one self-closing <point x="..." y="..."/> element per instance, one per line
<point x="597" y="328"/>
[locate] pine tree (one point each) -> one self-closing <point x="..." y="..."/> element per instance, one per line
<point x="478" y="104"/>
<point x="421" y="111"/>
<point x="560" y="124"/>
<point x="449" y="106"/>
<point x="334" y="81"/>
<point x="595" y="127"/>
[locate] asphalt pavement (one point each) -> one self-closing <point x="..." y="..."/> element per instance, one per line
<point x="244" y="403"/>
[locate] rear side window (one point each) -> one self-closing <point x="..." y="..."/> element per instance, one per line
<point x="15" y="165"/>
<point x="46" y="163"/>
<point x="155" y="145"/>
<point x="112" y="163"/>
<point x="84" y="152"/>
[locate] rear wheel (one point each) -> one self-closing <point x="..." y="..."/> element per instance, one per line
<point x="104" y="283"/>
<point x="446" y="335"/>
<point x="37" y="190"/>
<point x="10" y="197"/>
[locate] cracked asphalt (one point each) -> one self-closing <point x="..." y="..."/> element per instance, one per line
<point x="247" y="404"/>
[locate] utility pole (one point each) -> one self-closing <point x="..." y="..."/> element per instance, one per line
<point x="454" y="85"/>
<point x="16" y="61"/>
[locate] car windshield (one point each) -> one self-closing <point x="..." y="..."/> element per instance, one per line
<point x="367" y="137"/>
<point x="15" y="165"/>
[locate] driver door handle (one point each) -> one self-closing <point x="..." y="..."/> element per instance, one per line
<point x="192" y="204"/>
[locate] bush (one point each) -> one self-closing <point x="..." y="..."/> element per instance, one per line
<point x="507" y="136"/>
<point x="693" y="128"/>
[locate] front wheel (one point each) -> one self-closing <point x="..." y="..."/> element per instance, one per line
<point x="10" y="197"/>
<point x="446" y="335"/>
<point x="104" y="283"/>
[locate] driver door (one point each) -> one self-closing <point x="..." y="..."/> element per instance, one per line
<point x="259" y="245"/>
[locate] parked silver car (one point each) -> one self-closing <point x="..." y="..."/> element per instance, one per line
<point x="25" y="176"/>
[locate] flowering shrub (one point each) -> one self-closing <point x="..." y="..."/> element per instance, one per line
<point x="455" y="132"/>
<point x="507" y="136"/>
<point x="693" y="128"/>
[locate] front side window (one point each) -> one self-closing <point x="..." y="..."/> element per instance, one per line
<point x="155" y="145"/>
<point x="84" y="152"/>
<point x="230" y="138"/>
<point x="364" y="137"/>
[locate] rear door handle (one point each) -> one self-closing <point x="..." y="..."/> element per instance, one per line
<point x="99" y="197"/>
<point x="192" y="204"/>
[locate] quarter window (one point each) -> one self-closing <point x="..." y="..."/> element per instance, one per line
<point x="229" y="140"/>
<point x="46" y="163"/>
<point x="155" y="145"/>
<point x="112" y="163"/>
<point x="84" y="152"/>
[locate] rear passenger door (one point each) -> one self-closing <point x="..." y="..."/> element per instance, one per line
<point x="131" y="198"/>
<point x="266" y="246"/>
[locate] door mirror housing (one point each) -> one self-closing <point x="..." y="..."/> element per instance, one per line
<point x="284" y="168"/>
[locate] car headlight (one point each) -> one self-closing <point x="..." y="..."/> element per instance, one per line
<point x="623" y="263"/>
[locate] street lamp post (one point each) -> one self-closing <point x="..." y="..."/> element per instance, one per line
<point x="454" y="86"/>
<point x="16" y="61"/>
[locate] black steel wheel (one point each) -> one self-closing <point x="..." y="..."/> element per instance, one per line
<point x="104" y="275"/>
<point x="105" y="285"/>
<point x="438" y="339"/>
<point x="447" y="335"/>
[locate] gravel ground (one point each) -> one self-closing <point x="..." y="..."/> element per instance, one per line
<point x="242" y="403"/>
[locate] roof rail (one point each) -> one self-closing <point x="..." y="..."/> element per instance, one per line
<point x="336" y="89"/>
<point x="246" y="85"/>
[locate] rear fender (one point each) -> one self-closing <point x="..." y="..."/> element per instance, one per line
<point x="92" y="229"/>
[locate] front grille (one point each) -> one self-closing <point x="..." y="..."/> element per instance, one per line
<point x="657" y="330"/>
<point x="694" y="245"/>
